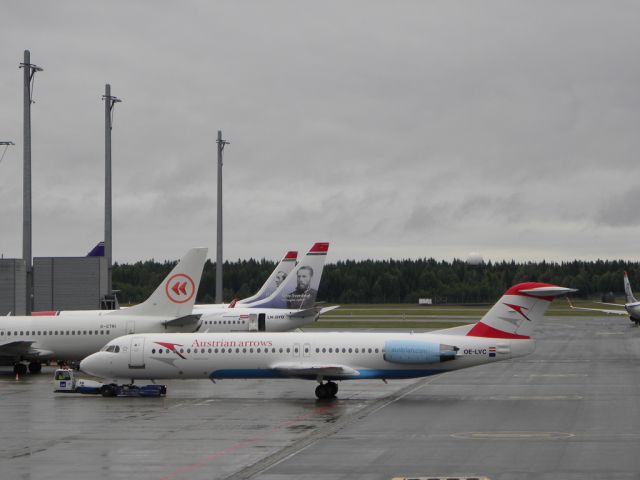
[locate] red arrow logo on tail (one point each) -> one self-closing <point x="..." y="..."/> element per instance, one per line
<point x="183" y="288"/>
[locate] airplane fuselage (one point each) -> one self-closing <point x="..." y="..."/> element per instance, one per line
<point x="252" y="319"/>
<point x="633" y="309"/>
<point x="297" y="354"/>
<point x="73" y="336"/>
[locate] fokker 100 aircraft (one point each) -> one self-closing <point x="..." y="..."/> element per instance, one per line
<point x="503" y="332"/>
<point x="76" y="334"/>
<point x="631" y="308"/>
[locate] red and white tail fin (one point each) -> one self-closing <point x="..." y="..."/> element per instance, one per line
<point x="514" y="314"/>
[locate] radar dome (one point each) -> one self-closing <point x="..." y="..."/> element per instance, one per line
<point x="474" y="258"/>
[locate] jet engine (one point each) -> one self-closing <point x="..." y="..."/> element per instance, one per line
<point x="418" y="352"/>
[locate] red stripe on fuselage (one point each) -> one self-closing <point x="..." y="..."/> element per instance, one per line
<point x="45" y="313"/>
<point x="483" y="330"/>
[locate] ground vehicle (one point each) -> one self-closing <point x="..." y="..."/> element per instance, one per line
<point x="65" y="381"/>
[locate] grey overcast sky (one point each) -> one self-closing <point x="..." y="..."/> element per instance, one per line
<point x="396" y="129"/>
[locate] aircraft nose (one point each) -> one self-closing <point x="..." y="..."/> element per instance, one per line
<point x="91" y="365"/>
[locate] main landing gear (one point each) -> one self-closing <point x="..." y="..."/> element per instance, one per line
<point x="325" y="391"/>
<point x="21" y="368"/>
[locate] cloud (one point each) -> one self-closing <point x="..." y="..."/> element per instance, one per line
<point x="420" y="129"/>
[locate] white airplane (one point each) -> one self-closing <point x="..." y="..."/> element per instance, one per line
<point x="291" y="305"/>
<point x="75" y="334"/>
<point x="281" y="271"/>
<point x="631" y="308"/>
<point x="504" y="332"/>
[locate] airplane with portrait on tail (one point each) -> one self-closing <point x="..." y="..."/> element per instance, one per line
<point x="291" y="305"/>
<point x="504" y="332"/>
<point x="278" y="275"/>
<point x="631" y="308"/>
<point x="72" y="335"/>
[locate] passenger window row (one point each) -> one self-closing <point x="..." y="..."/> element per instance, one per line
<point x="266" y="350"/>
<point x="34" y="333"/>
<point x="223" y="322"/>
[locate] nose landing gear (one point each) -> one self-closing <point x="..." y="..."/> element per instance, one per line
<point x="327" y="390"/>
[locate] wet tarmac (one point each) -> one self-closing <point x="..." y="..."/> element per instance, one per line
<point x="568" y="411"/>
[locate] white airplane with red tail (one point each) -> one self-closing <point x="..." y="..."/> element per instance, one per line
<point x="504" y="332"/>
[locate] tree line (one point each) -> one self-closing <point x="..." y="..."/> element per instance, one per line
<point x="391" y="281"/>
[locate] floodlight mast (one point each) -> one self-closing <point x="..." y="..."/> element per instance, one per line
<point x="109" y="103"/>
<point x="221" y="144"/>
<point x="29" y="73"/>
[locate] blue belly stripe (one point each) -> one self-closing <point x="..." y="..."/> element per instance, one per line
<point x="364" y="374"/>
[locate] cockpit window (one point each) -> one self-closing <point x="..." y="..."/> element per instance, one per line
<point x="112" y="348"/>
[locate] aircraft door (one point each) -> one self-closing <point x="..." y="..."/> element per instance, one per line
<point x="136" y="351"/>
<point x="261" y="322"/>
<point x="296" y="349"/>
<point x="131" y="327"/>
<point x="306" y="350"/>
<point x="253" y="322"/>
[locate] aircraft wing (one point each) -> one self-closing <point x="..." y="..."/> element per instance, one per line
<point x="305" y="370"/>
<point x="185" y="321"/>
<point x="608" y="312"/>
<point x="22" y="348"/>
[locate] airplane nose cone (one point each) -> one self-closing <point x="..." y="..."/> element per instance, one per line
<point x="91" y="365"/>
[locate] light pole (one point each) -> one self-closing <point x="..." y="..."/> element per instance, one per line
<point x="221" y="144"/>
<point x="29" y="73"/>
<point x="109" y="103"/>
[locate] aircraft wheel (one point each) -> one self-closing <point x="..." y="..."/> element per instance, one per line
<point x="107" y="391"/>
<point x="35" y="367"/>
<point x="20" y="369"/>
<point x="322" y="392"/>
<point x="333" y="388"/>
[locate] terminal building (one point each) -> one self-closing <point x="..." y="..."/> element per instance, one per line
<point x="59" y="283"/>
<point x="13" y="282"/>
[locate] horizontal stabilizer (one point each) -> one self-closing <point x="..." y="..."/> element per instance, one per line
<point x="183" y="321"/>
<point x="324" y="310"/>
<point x="309" y="369"/>
<point x="548" y="291"/>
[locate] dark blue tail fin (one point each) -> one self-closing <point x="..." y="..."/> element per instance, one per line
<point x="98" y="250"/>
